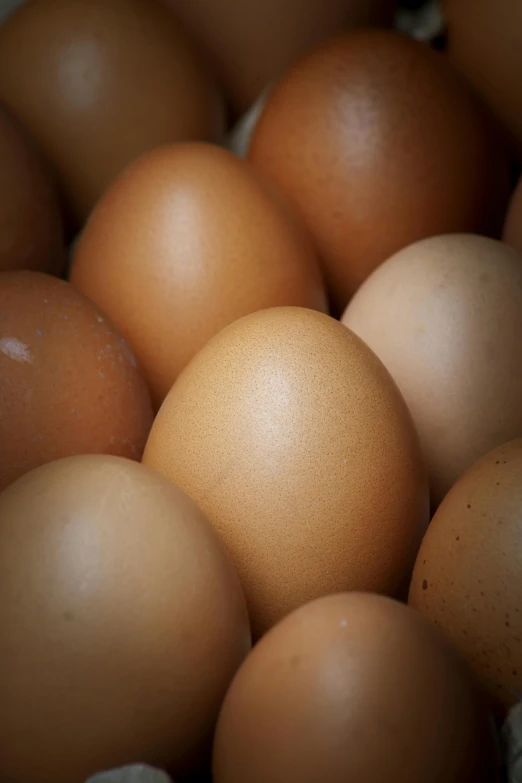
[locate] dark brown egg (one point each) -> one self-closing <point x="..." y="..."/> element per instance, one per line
<point x="98" y="82"/>
<point x="123" y="622"/>
<point x="353" y="688"/>
<point x="378" y="144"/>
<point x="69" y="383"/>
<point x="31" y="231"/>
<point x="467" y="575"/>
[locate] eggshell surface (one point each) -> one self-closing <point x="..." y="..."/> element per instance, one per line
<point x="98" y="82"/>
<point x="467" y="574"/>
<point x="187" y="240"/>
<point x="31" y="230"/>
<point x="513" y="225"/>
<point x="293" y="439"/>
<point x="123" y="621"/>
<point x="69" y="383"/>
<point x="445" y="317"/>
<point x="352" y="688"/>
<point x="378" y="143"/>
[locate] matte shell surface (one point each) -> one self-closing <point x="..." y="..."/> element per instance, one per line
<point x="467" y="575"/>
<point x="445" y="317"/>
<point x="352" y="688"/>
<point x="31" y="231"/>
<point x="513" y="225"/>
<point x="123" y="621"/>
<point x="292" y="437"/>
<point x="187" y="240"/>
<point x="98" y="82"/>
<point x="253" y="42"/>
<point x="68" y="380"/>
<point x="378" y="144"/>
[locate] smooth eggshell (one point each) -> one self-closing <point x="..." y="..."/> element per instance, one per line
<point x="513" y="224"/>
<point x="467" y="574"/>
<point x="187" y="240"/>
<point x="31" y="230"/>
<point x="69" y="383"/>
<point x="353" y="688"/>
<point x="293" y="439"/>
<point x="445" y="317"/>
<point x="98" y="82"/>
<point x="378" y="143"/>
<point x="123" y="621"/>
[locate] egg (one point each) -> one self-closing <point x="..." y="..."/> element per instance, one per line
<point x="123" y="621"/>
<point x="513" y="224"/>
<point x="293" y="439"/>
<point x="353" y="687"/>
<point x="445" y="317"/>
<point x="467" y="574"/>
<point x="253" y="42"/>
<point x="484" y="42"/>
<point x="189" y="239"/>
<point x="31" y="230"/>
<point x="98" y="82"/>
<point x="69" y="383"/>
<point x="377" y="143"/>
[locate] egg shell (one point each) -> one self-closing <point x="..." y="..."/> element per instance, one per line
<point x="123" y="621"/>
<point x="353" y="688"/>
<point x="378" y="143"/>
<point x="253" y="42"/>
<point x="31" y="230"/>
<point x="467" y="574"/>
<point x="69" y="383"/>
<point x="98" y="82"/>
<point x="484" y="42"/>
<point x="293" y="439"/>
<point x="513" y="225"/>
<point x="189" y="239"/>
<point x="445" y="317"/>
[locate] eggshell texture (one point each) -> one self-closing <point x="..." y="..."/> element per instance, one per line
<point x="352" y="688"/>
<point x="31" y="231"/>
<point x="484" y="42"/>
<point x="189" y="239"/>
<point x="378" y="144"/>
<point x="445" y="317"/>
<point x="68" y="381"/>
<point x="99" y="82"/>
<point x="293" y="439"/>
<point x="513" y="225"/>
<point x="253" y="42"/>
<point x="467" y="575"/>
<point x="123" y="621"/>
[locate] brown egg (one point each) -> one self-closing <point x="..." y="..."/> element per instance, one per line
<point x="123" y="621"/>
<point x="378" y="144"/>
<point x="353" y="688"/>
<point x="253" y="42"/>
<point x="68" y="380"/>
<point x="513" y="224"/>
<point x="445" y="317"/>
<point x="186" y="241"/>
<point x="293" y="439"/>
<point x="31" y="231"/>
<point x="99" y="82"/>
<point x="467" y="575"/>
<point x="485" y="44"/>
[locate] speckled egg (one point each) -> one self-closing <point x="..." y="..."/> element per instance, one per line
<point x="69" y="383"/>
<point x="291" y="436"/>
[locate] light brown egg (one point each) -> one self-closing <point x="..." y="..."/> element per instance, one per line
<point x="123" y="622"/>
<point x="378" y="144"/>
<point x="253" y="42"/>
<point x="69" y="383"/>
<point x="467" y="575"/>
<point x="484" y="42"/>
<point x="353" y="688"/>
<point x="445" y="318"/>
<point x="31" y="231"/>
<point x="513" y="224"/>
<point x="187" y="240"/>
<point x="98" y="82"/>
<point x="293" y="439"/>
